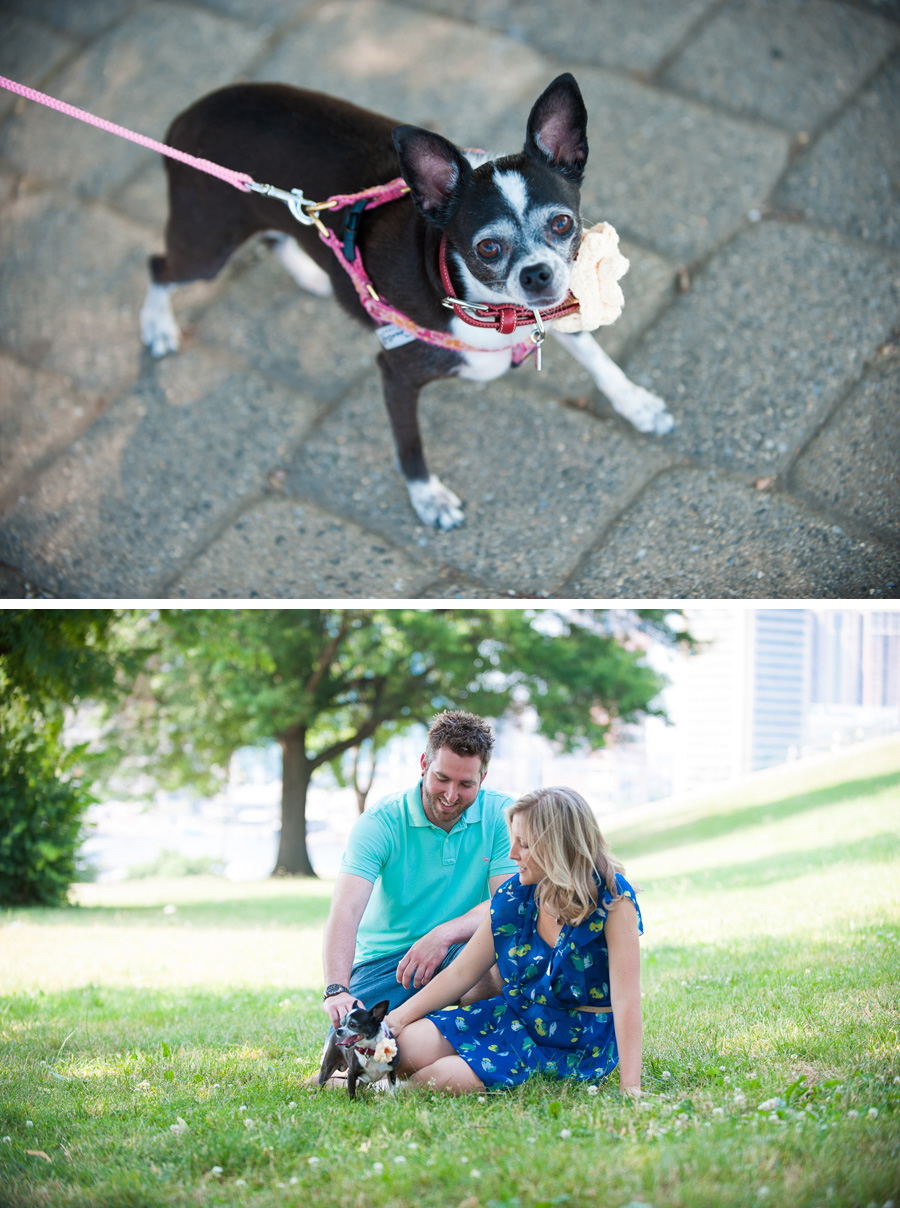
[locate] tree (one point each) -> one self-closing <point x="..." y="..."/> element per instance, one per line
<point x="50" y="660"/>
<point x="322" y="681"/>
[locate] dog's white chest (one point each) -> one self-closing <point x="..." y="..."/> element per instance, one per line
<point x="484" y="366"/>
<point x="372" y="1070"/>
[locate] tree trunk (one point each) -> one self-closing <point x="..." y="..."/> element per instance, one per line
<point x="293" y="858"/>
<point x="362" y="790"/>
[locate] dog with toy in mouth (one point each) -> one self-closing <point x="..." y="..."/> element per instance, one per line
<point x="444" y="252"/>
<point x="362" y="1045"/>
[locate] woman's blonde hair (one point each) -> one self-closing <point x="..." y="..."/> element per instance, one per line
<point x="563" y="835"/>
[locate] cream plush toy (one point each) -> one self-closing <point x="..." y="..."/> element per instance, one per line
<point x="595" y="281"/>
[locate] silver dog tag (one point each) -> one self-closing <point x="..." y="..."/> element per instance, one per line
<point x="537" y="338"/>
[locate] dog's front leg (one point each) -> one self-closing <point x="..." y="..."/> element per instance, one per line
<point x="435" y="504"/>
<point x="641" y="408"/>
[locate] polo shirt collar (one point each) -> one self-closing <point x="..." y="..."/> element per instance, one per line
<point x="417" y="816"/>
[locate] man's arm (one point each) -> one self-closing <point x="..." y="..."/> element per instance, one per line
<point x="424" y="958"/>
<point x="349" y="900"/>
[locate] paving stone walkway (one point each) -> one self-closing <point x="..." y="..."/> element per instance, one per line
<point x="746" y="152"/>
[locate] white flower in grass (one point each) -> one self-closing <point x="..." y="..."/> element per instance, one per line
<point x="291" y="1105"/>
<point x="740" y="1099"/>
<point x="666" y="1076"/>
<point x="313" y="1161"/>
<point x="593" y="1090"/>
<point x="718" y="1111"/>
<point x="476" y="1174"/>
<point x="217" y="1170"/>
<point x="29" y="1124"/>
<point x="378" y="1167"/>
<point x="762" y="1192"/>
<point x="248" y="1123"/>
<point x="566" y="1132"/>
<point x="413" y="1145"/>
<point x="400" y="1159"/>
<point x="179" y="1128"/>
<point x="768" y="1106"/>
<point x="293" y="1180"/>
<point x="7" y="1140"/>
<point x="852" y="1113"/>
<point x="872" y="1113"/>
<point x="240" y="1182"/>
<point x="243" y="1108"/>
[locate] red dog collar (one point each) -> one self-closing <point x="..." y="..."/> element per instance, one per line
<point x="504" y="319"/>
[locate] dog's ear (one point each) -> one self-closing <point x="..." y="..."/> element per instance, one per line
<point x="435" y="171"/>
<point x="557" y="129"/>
<point x="380" y="1010"/>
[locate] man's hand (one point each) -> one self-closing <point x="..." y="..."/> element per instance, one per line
<point x="337" y="1007"/>
<point x="423" y="959"/>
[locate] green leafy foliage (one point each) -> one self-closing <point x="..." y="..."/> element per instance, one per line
<point x="323" y="681"/>
<point x="50" y="659"/>
<point x="42" y="805"/>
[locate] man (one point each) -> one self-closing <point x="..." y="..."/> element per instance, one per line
<point x="417" y="875"/>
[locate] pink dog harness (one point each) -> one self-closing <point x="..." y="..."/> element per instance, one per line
<point x="396" y="325"/>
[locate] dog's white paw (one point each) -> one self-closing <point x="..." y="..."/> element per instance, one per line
<point x="435" y="504"/>
<point x="159" y="328"/>
<point x="645" y="410"/>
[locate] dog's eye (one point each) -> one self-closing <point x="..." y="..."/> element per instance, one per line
<point x="561" y="224"/>
<point x="488" y="249"/>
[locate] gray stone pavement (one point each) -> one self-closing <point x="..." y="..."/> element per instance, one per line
<point x="748" y="154"/>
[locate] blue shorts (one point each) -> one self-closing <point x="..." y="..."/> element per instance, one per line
<point x="376" y="980"/>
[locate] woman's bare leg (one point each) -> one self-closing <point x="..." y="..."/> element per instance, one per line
<point x="427" y="1058"/>
<point x="450" y="1074"/>
<point x="421" y="1044"/>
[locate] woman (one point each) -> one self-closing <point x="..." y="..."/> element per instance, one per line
<point x="564" y="933"/>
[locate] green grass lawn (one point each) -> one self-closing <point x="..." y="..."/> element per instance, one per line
<point x="158" y="1056"/>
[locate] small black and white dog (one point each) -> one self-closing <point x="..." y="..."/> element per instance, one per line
<point x="511" y="227"/>
<point x="362" y="1045"/>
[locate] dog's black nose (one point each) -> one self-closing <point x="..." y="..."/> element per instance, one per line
<point x="535" y="277"/>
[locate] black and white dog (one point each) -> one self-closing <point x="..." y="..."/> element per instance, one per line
<point x="362" y="1045"/>
<point x="510" y="228"/>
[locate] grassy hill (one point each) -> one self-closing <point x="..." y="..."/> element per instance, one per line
<point x="154" y="1042"/>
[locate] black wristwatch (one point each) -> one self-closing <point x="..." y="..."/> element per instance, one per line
<point x="333" y="989"/>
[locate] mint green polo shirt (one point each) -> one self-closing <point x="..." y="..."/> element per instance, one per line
<point x="421" y="875"/>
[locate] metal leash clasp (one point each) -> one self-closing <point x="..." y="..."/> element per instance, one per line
<point x="537" y="338"/>
<point x="297" y="203"/>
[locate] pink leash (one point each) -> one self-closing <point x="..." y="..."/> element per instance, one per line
<point x="373" y="304"/>
<point x="240" y="180"/>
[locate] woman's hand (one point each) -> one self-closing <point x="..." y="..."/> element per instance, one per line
<point x="395" y="1023"/>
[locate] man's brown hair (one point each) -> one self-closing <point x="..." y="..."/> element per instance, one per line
<point x="462" y="733"/>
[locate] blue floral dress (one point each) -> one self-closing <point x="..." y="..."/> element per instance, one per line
<point x="534" y="1025"/>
